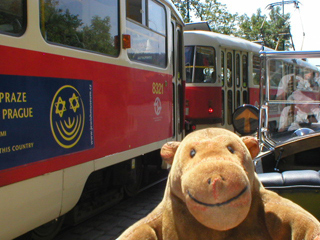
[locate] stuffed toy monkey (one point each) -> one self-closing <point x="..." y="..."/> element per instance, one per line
<point x="213" y="193"/>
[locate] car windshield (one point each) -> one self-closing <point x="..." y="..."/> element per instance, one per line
<point x="290" y="95"/>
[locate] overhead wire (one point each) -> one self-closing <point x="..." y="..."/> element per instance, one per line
<point x="303" y="32"/>
<point x="296" y="5"/>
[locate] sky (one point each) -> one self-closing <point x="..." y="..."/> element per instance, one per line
<point x="306" y="19"/>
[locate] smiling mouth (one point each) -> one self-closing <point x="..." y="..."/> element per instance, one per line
<point x="218" y="204"/>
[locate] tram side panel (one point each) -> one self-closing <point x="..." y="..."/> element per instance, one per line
<point x="71" y="115"/>
<point x="203" y="105"/>
<point x="107" y="107"/>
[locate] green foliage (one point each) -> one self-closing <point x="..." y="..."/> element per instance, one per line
<point x="212" y="11"/>
<point x="272" y="29"/>
<point x="68" y="29"/>
<point x="217" y="15"/>
<point x="183" y="7"/>
<point x="97" y="37"/>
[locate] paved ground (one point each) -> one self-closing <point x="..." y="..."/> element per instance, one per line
<point x="111" y="223"/>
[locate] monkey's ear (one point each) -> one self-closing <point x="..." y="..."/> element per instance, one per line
<point x="168" y="151"/>
<point x="252" y="145"/>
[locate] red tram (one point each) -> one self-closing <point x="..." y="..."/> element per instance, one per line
<point x="222" y="73"/>
<point x="89" y="92"/>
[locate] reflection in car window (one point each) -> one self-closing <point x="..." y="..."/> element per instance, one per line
<point x="294" y="98"/>
<point x="276" y="72"/>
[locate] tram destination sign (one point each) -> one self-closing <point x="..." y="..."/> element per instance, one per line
<point x="43" y="117"/>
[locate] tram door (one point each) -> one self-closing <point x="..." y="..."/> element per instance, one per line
<point x="241" y="95"/>
<point x="227" y="79"/>
<point x="177" y="57"/>
<point x="234" y="74"/>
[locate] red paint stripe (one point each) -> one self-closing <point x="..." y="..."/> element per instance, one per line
<point x="123" y="104"/>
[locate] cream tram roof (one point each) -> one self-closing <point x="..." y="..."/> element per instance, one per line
<point x="208" y="38"/>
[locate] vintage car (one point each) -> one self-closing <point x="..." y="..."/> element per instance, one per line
<point x="288" y="123"/>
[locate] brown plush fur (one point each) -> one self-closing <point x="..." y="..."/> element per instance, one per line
<point x="212" y="193"/>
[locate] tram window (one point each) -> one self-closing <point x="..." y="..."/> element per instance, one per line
<point x="245" y="99"/>
<point x="146" y="46"/>
<point x="238" y="69"/>
<point x="90" y="25"/>
<point x="173" y="55"/>
<point x="222" y="68"/>
<point x="205" y="66"/>
<point x="189" y="53"/>
<point x="13" y="18"/>
<point x="256" y="69"/>
<point x="229" y="69"/>
<point x="180" y="72"/>
<point x="148" y="42"/>
<point x="136" y="10"/>
<point x="156" y="17"/>
<point x="223" y="112"/>
<point x="238" y="98"/>
<point x="229" y="110"/>
<point x="245" y="70"/>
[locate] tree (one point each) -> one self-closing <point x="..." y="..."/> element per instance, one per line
<point x="274" y="31"/>
<point x="280" y="29"/>
<point x="217" y="16"/>
<point x="184" y="9"/>
<point x="212" y="11"/>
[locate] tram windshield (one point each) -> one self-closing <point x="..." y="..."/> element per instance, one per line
<point x="200" y="64"/>
<point x="290" y="96"/>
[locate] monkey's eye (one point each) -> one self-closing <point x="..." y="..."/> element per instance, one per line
<point x="192" y="153"/>
<point x="230" y="149"/>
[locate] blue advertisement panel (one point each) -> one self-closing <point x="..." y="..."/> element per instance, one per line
<point x="42" y="118"/>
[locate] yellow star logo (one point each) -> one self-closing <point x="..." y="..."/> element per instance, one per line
<point x="60" y="107"/>
<point x="74" y="102"/>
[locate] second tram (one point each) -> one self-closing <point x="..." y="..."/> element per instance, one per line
<point x="222" y="73"/>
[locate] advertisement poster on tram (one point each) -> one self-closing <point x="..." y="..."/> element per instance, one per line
<point x="41" y="118"/>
